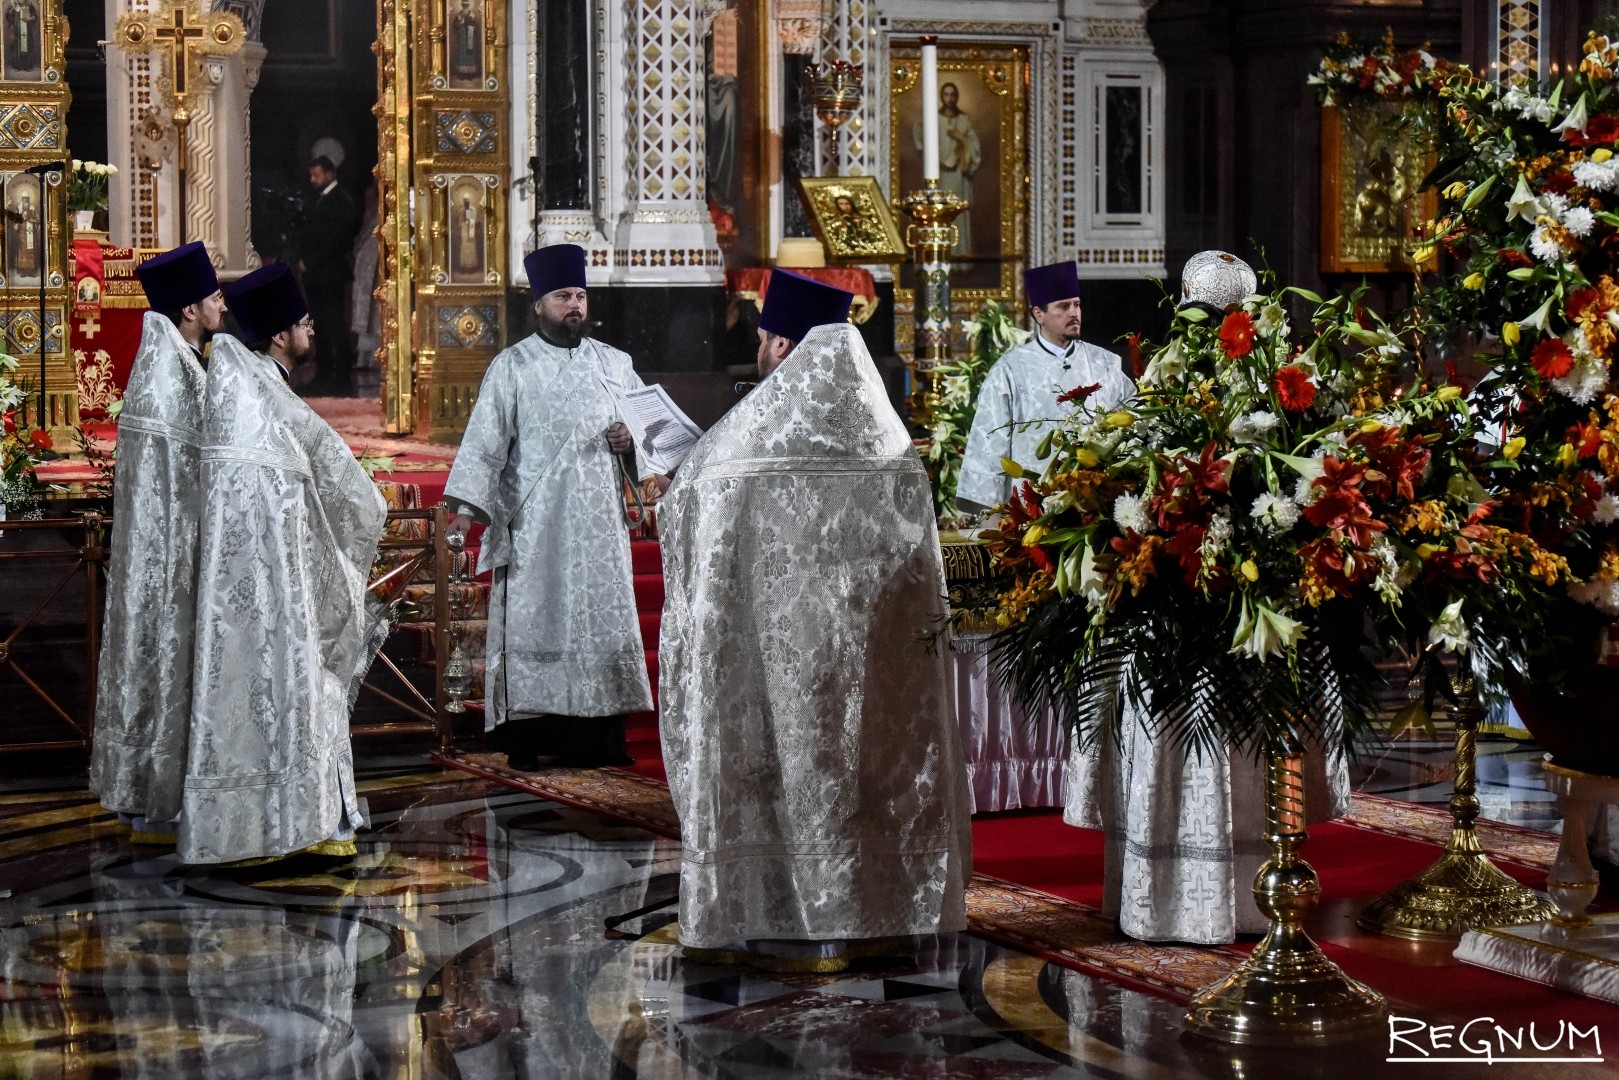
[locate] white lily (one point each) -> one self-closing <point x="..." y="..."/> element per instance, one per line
<point x="1262" y="632"/>
<point x="1449" y="631"/>
<point x="1576" y="118"/>
<point x="1522" y="202"/>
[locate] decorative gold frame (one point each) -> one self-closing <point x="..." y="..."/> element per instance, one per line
<point x="438" y="335"/>
<point x="1373" y="212"/>
<point x="881" y="242"/>
<point x="1004" y="70"/>
<point x="33" y="131"/>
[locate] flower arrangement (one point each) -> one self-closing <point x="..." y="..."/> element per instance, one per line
<point x="1529" y="188"/>
<point x="87" y="185"/>
<point x="989" y="335"/>
<point x="1354" y="69"/>
<point x="1224" y="546"/>
<point x="22" y="447"/>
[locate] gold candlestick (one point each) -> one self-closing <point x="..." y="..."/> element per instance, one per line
<point x="1287" y="993"/>
<point x="931" y="237"/>
<point x="1464" y="890"/>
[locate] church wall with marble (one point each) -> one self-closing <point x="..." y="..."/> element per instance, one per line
<point x="143" y="198"/>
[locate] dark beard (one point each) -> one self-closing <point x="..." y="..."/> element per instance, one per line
<point x="562" y="334"/>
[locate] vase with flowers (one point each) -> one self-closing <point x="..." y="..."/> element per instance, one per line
<point x="87" y="194"/>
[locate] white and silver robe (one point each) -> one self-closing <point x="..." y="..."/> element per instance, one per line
<point x="290" y="527"/>
<point x="808" y="728"/>
<point x="1022" y="389"/>
<point x="564" y="638"/>
<point x="1184" y="837"/>
<point x="143" y="691"/>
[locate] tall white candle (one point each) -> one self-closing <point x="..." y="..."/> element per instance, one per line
<point x="930" y="108"/>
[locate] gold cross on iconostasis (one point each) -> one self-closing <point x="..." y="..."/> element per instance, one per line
<point x="185" y="35"/>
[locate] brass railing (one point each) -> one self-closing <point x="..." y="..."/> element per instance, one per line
<point x="427" y="558"/>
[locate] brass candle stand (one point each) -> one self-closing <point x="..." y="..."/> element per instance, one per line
<point x="1464" y="890"/>
<point x="931" y="237"/>
<point x="1287" y="993"/>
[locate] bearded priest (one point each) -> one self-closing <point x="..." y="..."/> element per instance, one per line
<point x="290" y="527"/>
<point x="808" y="727"/>
<point x="542" y="464"/>
<point x="143" y="689"/>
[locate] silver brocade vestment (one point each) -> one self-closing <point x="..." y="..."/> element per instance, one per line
<point x="1022" y="389"/>
<point x="1184" y="837"/>
<point x="808" y="729"/>
<point x="290" y="526"/>
<point x="143" y="692"/>
<point x="563" y="636"/>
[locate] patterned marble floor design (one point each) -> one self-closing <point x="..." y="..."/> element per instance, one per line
<point x="468" y="940"/>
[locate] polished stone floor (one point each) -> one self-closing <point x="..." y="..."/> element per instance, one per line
<point x="469" y="939"/>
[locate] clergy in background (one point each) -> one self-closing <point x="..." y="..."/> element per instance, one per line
<point x="143" y="691"/>
<point x="543" y="464"/>
<point x="1017" y="403"/>
<point x="290" y="525"/>
<point x="808" y="726"/>
<point x="1184" y="836"/>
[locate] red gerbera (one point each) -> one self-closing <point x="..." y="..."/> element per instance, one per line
<point x="1078" y="393"/>
<point x="1294" y="388"/>
<point x="1237" y="334"/>
<point x="41" y="439"/>
<point x="1552" y="358"/>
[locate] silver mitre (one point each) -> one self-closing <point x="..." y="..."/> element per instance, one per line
<point x="1218" y="279"/>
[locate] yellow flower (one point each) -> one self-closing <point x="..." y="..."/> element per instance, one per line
<point x="1513" y="448"/>
<point x="1086" y="457"/>
<point x="1371" y="427"/>
<point x="1035" y="534"/>
<point x="1449" y="393"/>
<point x="1250" y="570"/>
<point x="1509" y="334"/>
<point x="1474" y="281"/>
<point x="1120" y="419"/>
<point x="1456" y="190"/>
<point x="1599" y="156"/>
<point x="1567" y="456"/>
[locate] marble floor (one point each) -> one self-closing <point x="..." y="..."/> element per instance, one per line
<point x="469" y="939"/>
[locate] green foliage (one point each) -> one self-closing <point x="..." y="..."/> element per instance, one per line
<point x="989" y="336"/>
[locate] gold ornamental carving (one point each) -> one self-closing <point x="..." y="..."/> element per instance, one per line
<point x="443" y="107"/>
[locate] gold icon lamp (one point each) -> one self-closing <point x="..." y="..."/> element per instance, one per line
<point x="1464" y="890"/>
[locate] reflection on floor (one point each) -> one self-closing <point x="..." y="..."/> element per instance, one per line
<point x="468" y="940"/>
<point x="1511" y="784"/>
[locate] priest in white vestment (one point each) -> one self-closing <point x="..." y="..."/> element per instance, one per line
<point x="143" y="690"/>
<point x="1184" y="836"/>
<point x="807" y="722"/>
<point x="1017" y="403"/>
<point x="290" y="527"/>
<point x="543" y="465"/>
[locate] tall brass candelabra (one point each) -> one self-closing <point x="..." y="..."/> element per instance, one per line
<point x="1287" y="993"/>
<point x="931" y="237"/>
<point x="1464" y="890"/>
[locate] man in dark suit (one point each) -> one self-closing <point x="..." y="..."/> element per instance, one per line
<point x="323" y="245"/>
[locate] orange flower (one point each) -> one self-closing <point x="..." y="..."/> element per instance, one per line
<point x="1552" y="358"/>
<point x="1237" y="334"/>
<point x="1294" y="388"/>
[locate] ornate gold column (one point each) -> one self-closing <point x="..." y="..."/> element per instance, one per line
<point x="443" y="179"/>
<point x="33" y="274"/>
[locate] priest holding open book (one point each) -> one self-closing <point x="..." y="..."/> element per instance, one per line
<point x="560" y="422"/>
